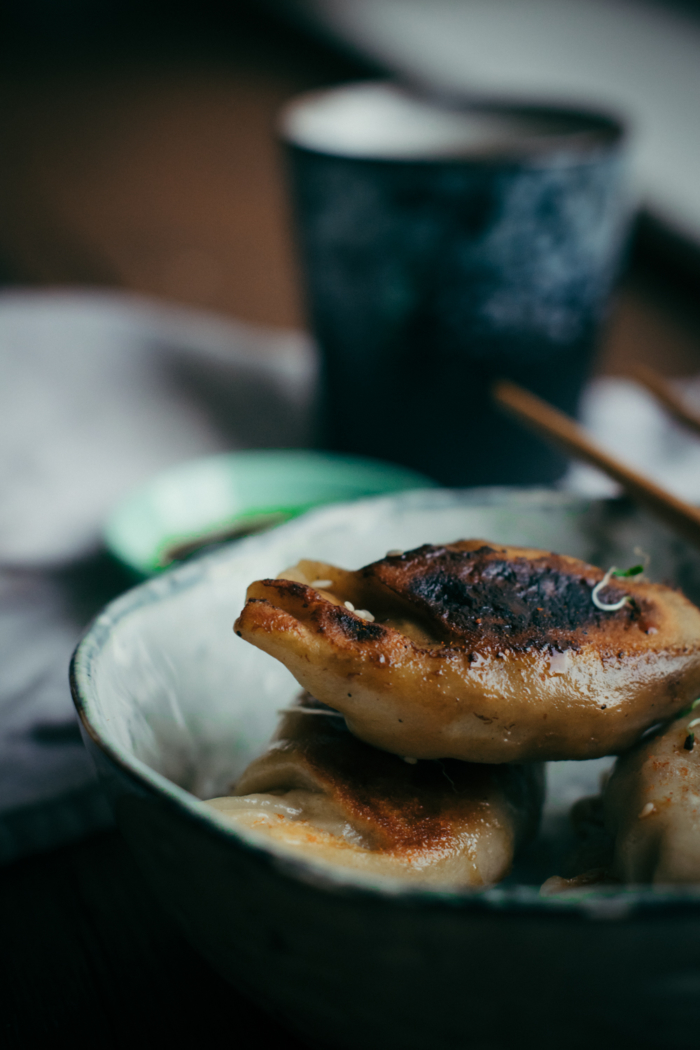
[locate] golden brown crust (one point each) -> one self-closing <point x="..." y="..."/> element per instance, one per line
<point x="481" y="652"/>
<point x="445" y="822"/>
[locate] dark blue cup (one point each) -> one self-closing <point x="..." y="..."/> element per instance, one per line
<point x="445" y="247"/>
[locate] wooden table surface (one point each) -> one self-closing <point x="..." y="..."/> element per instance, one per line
<point x="153" y="166"/>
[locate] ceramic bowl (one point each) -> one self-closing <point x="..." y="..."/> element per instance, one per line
<point x="173" y="706"/>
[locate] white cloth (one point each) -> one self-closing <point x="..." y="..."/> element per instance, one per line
<point x="624" y="418"/>
<point x="97" y="393"/>
<point x="100" y="391"/>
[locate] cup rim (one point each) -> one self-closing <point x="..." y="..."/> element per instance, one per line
<point x="599" y="130"/>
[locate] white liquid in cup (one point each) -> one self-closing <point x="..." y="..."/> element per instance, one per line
<point x="383" y="121"/>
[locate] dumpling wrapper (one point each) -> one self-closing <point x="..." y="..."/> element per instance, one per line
<point x="644" y="828"/>
<point x="651" y="807"/>
<point x="481" y="652"/>
<point x="322" y="793"/>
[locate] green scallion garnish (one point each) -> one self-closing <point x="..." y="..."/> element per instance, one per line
<point x="634" y="571"/>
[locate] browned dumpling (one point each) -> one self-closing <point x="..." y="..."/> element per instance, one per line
<point x="644" y="827"/>
<point x="321" y="792"/>
<point x="482" y="652"/>
<point x="651" y="807"/>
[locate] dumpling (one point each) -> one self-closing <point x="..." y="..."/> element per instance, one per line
<point x="321" y="792"/>
<point x="651" y="807"/>
<point x="481" y="652"/>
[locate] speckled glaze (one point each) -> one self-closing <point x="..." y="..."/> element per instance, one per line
<point x="429" y="279"/>
<point x="173" y="707"/>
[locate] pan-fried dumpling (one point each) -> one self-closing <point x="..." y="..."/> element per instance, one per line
<point x="321" y="792"/>
<point x="481" y="652"/>
<point x="645" y="825"/>
<point x="651" y="807"/>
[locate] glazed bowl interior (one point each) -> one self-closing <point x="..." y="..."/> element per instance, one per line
<point x="169" y="694"/>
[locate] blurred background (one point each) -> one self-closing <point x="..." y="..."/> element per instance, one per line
<point x="139" y="150"/>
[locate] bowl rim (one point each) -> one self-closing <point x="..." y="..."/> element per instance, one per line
<point x="610" y="903"/>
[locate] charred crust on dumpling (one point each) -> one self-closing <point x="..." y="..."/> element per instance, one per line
<point x="410" y="809"/>
<point x="357" y="629"/>
<point x="326" y="617"/>
<point x="406" y="804"/>
<point x="484" y="596"/>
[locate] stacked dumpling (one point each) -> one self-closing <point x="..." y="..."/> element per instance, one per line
<point x="321" y="790"/>
<point x="437" y="680"/>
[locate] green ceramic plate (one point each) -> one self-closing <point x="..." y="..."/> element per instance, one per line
<point x="235" y="494"/>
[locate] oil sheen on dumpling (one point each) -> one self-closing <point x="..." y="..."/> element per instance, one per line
<point x="324" y="794"/>
<point x="651" y="807"/>
<point x="481" y="652"/>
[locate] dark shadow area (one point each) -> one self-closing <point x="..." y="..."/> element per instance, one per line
<point x="139" y="152"/>
<point x="81" y="30"/>
<point x="664" y="257"/>
<point x="88" y="585"/>
<point x="82" y="926"/>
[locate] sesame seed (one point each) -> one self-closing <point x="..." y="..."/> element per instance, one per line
<point x="411" y="761"/>
<point x="323" y="584"/>
<point x="350" y="606"/>
<point x="394" y="554"/>
<point x="648" y="810"/>
<point x="365" y="614"/>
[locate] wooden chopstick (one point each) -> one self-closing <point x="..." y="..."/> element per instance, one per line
<point x="664" y="392"/>
<point x="557" y="428"/>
